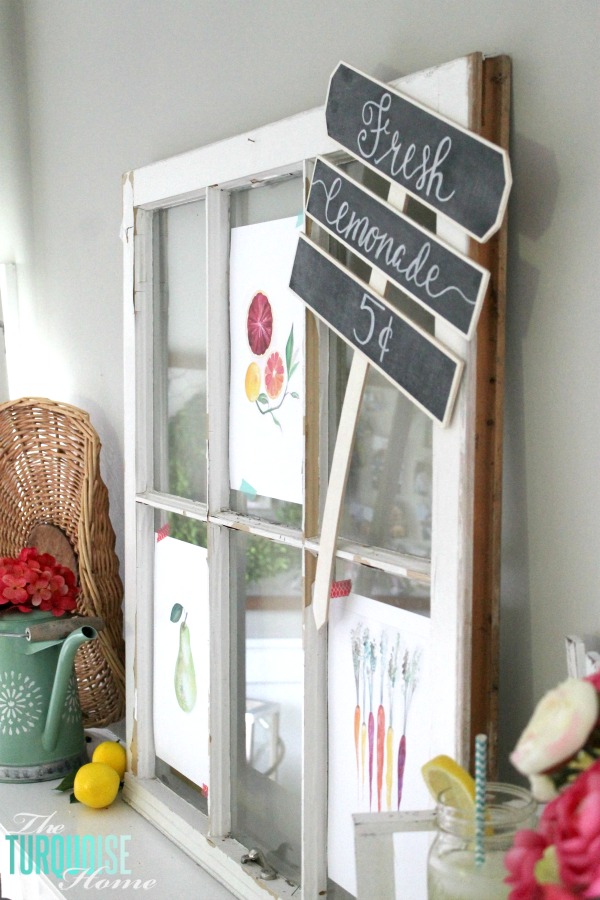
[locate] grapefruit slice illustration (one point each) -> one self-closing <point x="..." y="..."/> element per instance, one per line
<point x="260" y="323"/>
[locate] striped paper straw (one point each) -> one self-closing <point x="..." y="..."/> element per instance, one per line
<point x="480" y="776"/>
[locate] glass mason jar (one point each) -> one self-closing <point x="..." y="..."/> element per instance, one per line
<point x="452" y="872"/>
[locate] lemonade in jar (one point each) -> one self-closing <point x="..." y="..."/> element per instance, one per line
<point x="454" y="872"/>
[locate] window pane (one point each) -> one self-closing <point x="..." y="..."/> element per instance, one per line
<point x="267" y="354"/>
<point x="379" y="711"/>
<point x="274" y="199"/>
<point x="195" y="794"/>
<point x="387" y="502"/>
<point x="388" y="496"/>
<point x="180" y="351"/>
<point x="412" y="594"/>
<point x="181" y="653"/>
<point x="278" y="512"/>
<point x="267" y="663"/>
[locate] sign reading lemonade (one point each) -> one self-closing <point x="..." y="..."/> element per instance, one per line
<point x="442" y="280"/>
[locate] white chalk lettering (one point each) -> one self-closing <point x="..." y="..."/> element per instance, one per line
<point x="386" y="333"/>
<point x="358" y="231"/>
<point x="372" y="144"/>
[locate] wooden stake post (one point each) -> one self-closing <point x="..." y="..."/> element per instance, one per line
<point x="342" y="453"/>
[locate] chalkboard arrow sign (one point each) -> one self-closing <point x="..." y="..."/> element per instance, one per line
<point x="450" y="169"/>
<point x="439" y="278"/>
<point x="415" y="362"/>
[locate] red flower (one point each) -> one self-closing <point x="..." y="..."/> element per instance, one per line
<point x="39" y="589"/>
<point x="36" y="581"/>
<point x="573" y="820"/>
<point x="274" y="373"/>
<point x="14" y="586"/>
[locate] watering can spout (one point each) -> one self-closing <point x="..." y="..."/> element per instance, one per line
<point x="62" y="677"/>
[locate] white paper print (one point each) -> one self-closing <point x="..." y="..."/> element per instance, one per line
<point x="181" y="648"/>
<point x="267" y="363"/>
<point x="379" y="718"/>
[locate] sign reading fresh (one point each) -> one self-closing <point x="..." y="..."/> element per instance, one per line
<point x="452" y="170"/>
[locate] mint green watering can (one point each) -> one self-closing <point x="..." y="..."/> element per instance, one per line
<point x="41" y="732"/>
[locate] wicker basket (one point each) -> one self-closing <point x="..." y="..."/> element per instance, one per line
<point x="50" y="482"/>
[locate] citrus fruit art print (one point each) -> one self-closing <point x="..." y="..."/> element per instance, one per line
<point x="276" y="371"/>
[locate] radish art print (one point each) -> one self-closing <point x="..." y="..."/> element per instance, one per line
<point x="380" y="718"/>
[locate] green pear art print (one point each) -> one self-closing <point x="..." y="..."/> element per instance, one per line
<point x="185" y="674"/>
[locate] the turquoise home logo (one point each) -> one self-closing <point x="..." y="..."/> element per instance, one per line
<point x="38" y="846"/>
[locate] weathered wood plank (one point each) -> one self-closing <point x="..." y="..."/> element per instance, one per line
<point x="494" y="124"/>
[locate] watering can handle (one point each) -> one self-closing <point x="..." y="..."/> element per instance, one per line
<point x="61" y="628"/>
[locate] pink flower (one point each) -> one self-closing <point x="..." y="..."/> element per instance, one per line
<point x="594" y="680"/>
<point x="573" y="822"/>
<point x="557" y="892"/>
<point x="561" y="723"/>
<point x="528" y="847"/>
<point x="593" y="890"/>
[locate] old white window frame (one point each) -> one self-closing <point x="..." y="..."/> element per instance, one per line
<point x="287" y="146"/>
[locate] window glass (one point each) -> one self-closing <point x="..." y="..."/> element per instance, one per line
<point x="180" y="351"/>
<point x="267" y="351"/>
<point x="267" y="663"/>
<point x="181" y="653"/>
<point x="387" y="502"/>
<point x="388" y="496"/>
<point x="403" y="591"/>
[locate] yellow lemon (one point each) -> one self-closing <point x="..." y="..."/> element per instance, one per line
<point x="96" y="784"/>
<point x="444" y="774"/>
<point x="113" y="754"/>
<point x="252" y="383"/>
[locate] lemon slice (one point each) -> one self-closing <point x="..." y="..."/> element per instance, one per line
<point x="444" y="774"/>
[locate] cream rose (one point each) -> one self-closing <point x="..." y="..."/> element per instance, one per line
<point x="559" y="727"/>
<point x="542" y="788"/>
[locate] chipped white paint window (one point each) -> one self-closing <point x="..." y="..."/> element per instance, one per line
<point x="249" y="668"/>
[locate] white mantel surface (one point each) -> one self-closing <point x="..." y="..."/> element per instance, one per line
<point x="151" y="856"/>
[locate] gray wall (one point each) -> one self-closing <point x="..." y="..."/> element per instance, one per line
<point x="91" y="88"/>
